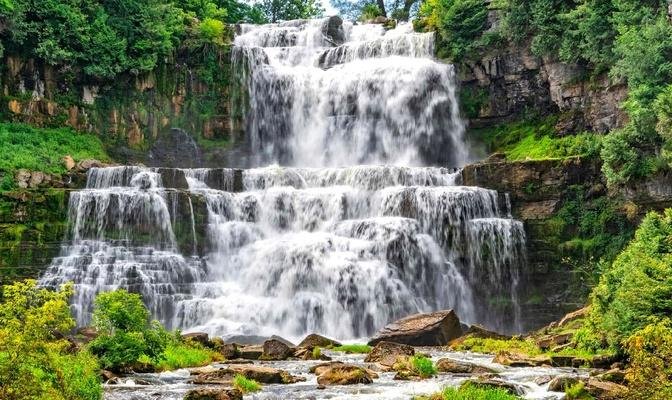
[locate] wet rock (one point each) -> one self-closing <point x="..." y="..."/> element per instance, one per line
<point x="542" y="380"/>
<point x="68" y="163"/>
<point x="250" y="352"/>
<point x="86" y="165"/>
<point x="560" y="383"/>
<point x="603" y="361"/>
<point x="343" y="374"/>
<point x="549" y="341"/>
<point x="603" y="390"/>
<point x="258" y="373"/>
<point x="201" y="338"/>
<point x="106" y="375"/>
<point x="275" y="350"/>
<point x="519" y="360"/>
<point x="494" y="383"/>
<point x="214" y="394"/>
<point x="428" y="329"/>
<point x="333" y="30"/>
<point x="308" y="354"/>
<point x="315" y="340"/>
<point x="387" y="353"/>
<point x="457" y="367"/>
<point x="614" y="375"/>
<point x="229" y="351"/>
<point x="562" y="361"/>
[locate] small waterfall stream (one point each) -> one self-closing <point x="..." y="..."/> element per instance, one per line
<point x="351" y="233"/>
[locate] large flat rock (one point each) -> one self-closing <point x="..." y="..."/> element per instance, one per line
<point x="427" y="329"/>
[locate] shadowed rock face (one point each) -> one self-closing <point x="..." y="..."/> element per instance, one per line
<point x="429" y="329"/>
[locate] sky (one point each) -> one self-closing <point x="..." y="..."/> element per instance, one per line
<point x="328" y="7"/>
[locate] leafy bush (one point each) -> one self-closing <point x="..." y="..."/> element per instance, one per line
<point x="650" y="351"/>
<point x="125" y="332"/>
<point x="423" y="366"/>
<point x="353" y="348"/>
<point x="246" y="385"/>
<point x="636" y="289"/>
<point x="370" y="11"/>
<point x="317" y="352"/>
<point x="35" y="361"/>
<point x="212" y="31"/>
<point x="459" y="24"/>
<point x="38" y="149"/>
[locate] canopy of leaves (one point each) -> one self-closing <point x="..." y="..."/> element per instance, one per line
<point x="35" y="361"/>
<point x="284" y="10"/>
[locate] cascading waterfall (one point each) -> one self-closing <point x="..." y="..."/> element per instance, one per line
<point x="326" y="244"/>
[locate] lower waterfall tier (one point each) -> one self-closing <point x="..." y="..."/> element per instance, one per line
<point x="292" y="251"/>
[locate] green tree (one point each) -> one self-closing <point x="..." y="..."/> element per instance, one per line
<point x="126" y="335"/>
<point x="284" y="10"/>
<point x="35" y="361"/>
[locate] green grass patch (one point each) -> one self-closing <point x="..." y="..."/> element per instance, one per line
<point x="41" y="149"/>
<point x="577" y="392"/>
<point x="537" y="140"/>
<point x="471" y="392"/>
<point x="181" y="355"/>
<point x="246" y="385"/>
<point x="317" y="352"/>
<point x="494" y="346"/>
<point x="423" y="366"/>
<point x="353" y="348"/>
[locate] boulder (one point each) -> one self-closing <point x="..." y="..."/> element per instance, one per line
<point x="214" y="394"/>
<point x="458" y="367"/>
<point x="613" y="375"/>
<point x="303" y="353"/>
<point x="550" y="341"/>
<point x="428" y="329"/>
<point x="229" y="351"/>
<point x="560" y="383"/>
<point x="201" y="338"/>
<point x="106" y="375"/>
<point x="603" y="390"/>
<point x="86" y="165"/>
<point x="603" y="361"/>
<point x="250" y="352"/>
<point x="387" y="353"/>
<point x="315" y="340"/>
<point x="343" y="374"/>
<point x="479" y="332"/>
<point x="333" y="30"/>
<point x="274" y="349"/>
<point x="259" y="373"/>
<point x="69" y="162"/>
<point x="519" y="360"/>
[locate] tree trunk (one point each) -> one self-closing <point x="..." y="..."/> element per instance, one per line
<point x="381" y="5"/>
<point x="407" y="8"/>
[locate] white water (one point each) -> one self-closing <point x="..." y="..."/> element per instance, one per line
<point x="378" y="98"/>
<point x="331" y="246"/>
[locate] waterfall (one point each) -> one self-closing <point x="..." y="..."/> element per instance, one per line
<point x="335" y="226"/>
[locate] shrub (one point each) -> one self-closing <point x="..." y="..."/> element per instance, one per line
<point x="35" y="362"/>
<point x="370" y="11"/>
<point x="650" y="351"/>
<point x="317" y="352"/>
<point x="423" y="366"/>
<point x="637" y="286"/>
<point x="212" y="31"/>
<point x="353" y="348"/>
<point x="246" y="385"/>
<point x="126" y="334"/>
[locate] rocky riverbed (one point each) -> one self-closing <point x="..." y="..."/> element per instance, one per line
<point x="532" y="383"/>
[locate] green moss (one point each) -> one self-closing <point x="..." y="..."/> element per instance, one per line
<point x="246" y="385"/>
<point x="471" y="392"/>
<point x="181" y="355"/>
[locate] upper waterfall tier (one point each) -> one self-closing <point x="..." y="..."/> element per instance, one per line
<point x="323" y="93"/>
<point x="289" y="251"/>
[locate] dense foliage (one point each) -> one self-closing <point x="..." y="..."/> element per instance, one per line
<point x="369" y="9"/>
<point x="36" y="362"/>
<point x="278" y="10"/>
<point x="631" y="40"/>
<point x="636" y="290"/>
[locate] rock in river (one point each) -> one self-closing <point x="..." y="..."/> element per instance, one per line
<point x="256" y="372"/>
<point x="214" y="394"/>
<point x="387" y="353"/>
<point x="428" y="329"/>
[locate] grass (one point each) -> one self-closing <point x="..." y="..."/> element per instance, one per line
<point x="317" y="352"/>
<point x="43" y="149"/>
<point x="471" y="393"/>
<point x="537" y="140"/>
<point x="524" y="346"/>
<point x="423" y="366"/>
<point x="181" y="355"/>
<point x="353" y="348"/>
<point x="577" y="392"/>
<point x="245" y="385"/>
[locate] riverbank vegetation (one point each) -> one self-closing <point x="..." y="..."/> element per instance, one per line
<point x="471" y="392"/>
